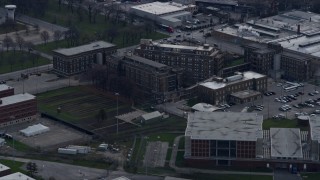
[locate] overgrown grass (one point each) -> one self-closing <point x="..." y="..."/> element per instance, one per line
<point x="169" y="152"/>
<point x="181" y="143"/>
<point x="18" y="60"/>
<point x="281" y="123"/>
<point x="15" y="166"/>
<point x="180" y="159"/>
<point x="19" y="146"/>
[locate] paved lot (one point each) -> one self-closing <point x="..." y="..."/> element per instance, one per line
<point x="271" y="107"/>
<point x="155" y="155"/>
<point x="58" y="136"/>
<point x="285" y="175"/>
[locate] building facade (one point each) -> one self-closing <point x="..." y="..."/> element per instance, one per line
<point x="200" y="62"/>
<point x="17" y="109"/>
<point x="154" y="79"/>
<point x="70" y="61"/>
<point x="232" y="138"/>
<point x="6" y="90"/>
<point x="219" y="89"/>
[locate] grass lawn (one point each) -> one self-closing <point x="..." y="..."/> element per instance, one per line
<point x="180" y="159"/>
<point x="14" y="61"/>
<point x="199" y="176"/>
<point x="236" y="62"/>
<point x="18" y="145"/>
<point x="310" y="176"/>
<point x="165" y="137"/>
<point x="88" y="30"/>
<point x="181" y="143"/>
<point x="281" y="123"/>
<point x="169" y="152"/>
<point x="7" y="29"/>
<point x="15" y="166"/>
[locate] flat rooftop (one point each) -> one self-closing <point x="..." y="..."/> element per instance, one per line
<point x="204" y="107"/>
<point x="221" y="2"/>
<point x="246" y="76"/>
<point x="314" y="122"/>
<point x="145" y="61"/>
<point x="84" y="48"/>
<point x="245" y="94"/>
<point x="16" y="176"/>
<point x="159" y="8"/>
<point x="4" y="87"/>
<point x="192" y="48"/>
<point x="16" y="99"/>
<point x="286" y="143"/>
<point x="224" y="126"/>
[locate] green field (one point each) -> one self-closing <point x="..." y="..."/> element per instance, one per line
<point x="14" y="61"/>
<point x="7" y="29"/>
<point x="310" y="176"/>
<point x="18" y="145"/>
<point x="88" y="30"/>
<point x="15" y="166"/>
<point x="281" y="123"/>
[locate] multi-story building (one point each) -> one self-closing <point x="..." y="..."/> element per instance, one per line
<point x="237" y="139"/>
<point x="271" y="59"/>
<point x="222" y="137"/>
<point x="6" y="90"/>
<point x="17" y="109"/>
<point x="153" y="78"/>
<point x="200" y="62"/>
<point x="219" y="89"/>
<point x="75" y="60"/>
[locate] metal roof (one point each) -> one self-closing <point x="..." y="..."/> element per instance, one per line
<point x="5" y="87"/>
<point x="16" y="176"/>
<point x="151" y="115"/>
<point x="224" y="126"/>
<point x="286" y="143"/>
<point x="146" y="61"/>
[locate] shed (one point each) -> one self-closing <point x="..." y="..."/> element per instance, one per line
<point x="34" y="130"/>
<point x="156" y="115"/>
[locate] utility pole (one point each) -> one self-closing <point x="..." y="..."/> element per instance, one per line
<point x="117" y="94"/>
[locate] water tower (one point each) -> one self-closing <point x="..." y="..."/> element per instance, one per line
<point x="10" y="11"/>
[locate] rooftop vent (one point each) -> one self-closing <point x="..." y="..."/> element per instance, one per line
<point x="206" y="46"/>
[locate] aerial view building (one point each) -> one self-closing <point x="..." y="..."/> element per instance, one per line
<point x="17" y="109"/>
<point x="199" y="61"/>
<point x="6" y="90"/>
<point x="75" y="60"/>
<point x="221" y="90"/>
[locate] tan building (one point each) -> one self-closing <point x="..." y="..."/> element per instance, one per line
<point x="219" y="90"/>
<point x="199" y="62"/>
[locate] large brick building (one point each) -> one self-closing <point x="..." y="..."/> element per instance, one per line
<point x="155" y="79"/>
<point x="218" y="90"/>
<point x="75" y="60"/>
<point x="199" y="62"/>
<point x="17" y="109"/>
<point x="6" y="90"/>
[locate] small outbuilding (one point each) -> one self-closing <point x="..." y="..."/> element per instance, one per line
<point x="2" y="142"/>
<point x="34" y="130"/>
<point x="151" y="117"/>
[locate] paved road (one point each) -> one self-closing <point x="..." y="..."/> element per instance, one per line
<point x="285" y="175"/>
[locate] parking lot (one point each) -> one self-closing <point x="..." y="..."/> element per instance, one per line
<point x="270" y="107"/>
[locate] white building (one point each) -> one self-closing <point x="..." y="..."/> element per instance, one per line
<point x="171" y="14"/>
<point x="16" y="176"/>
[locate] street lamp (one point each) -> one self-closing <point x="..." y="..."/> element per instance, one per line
<point x="117" y="94"/>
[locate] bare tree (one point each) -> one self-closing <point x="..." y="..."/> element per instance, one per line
<point x="29" y="45"/>
<point x="20" y="41"/>
<point x="7" y="42"/>
<point x="45" y="36"/>
<point x="57" y="35"/>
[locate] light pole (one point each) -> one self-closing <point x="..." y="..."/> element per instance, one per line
<point x="117" y="94"/>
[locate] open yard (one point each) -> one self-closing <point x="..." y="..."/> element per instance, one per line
<point x="14" y="61"/>
<point x="281" y="123"/>
<point x="120" y="33"/>
<point x="80" y="106"/>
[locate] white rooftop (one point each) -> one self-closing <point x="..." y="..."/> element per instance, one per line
<point x="84" y="48"/>
<point x="4" y="87"/>
<point x="152" y="115"/>
<point x="314" y="122"/>
<point x="224" y="126"/>
<point x="204" y="107"/>
<point x="246" y="76"/>
<point x="16" y="176"/>
<point x="3" y="167"/>
<point x="16" y="99"/>
<point x="286" y="143"/>
<point x="158" y="8"/>
<point x="121" y="178"/>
